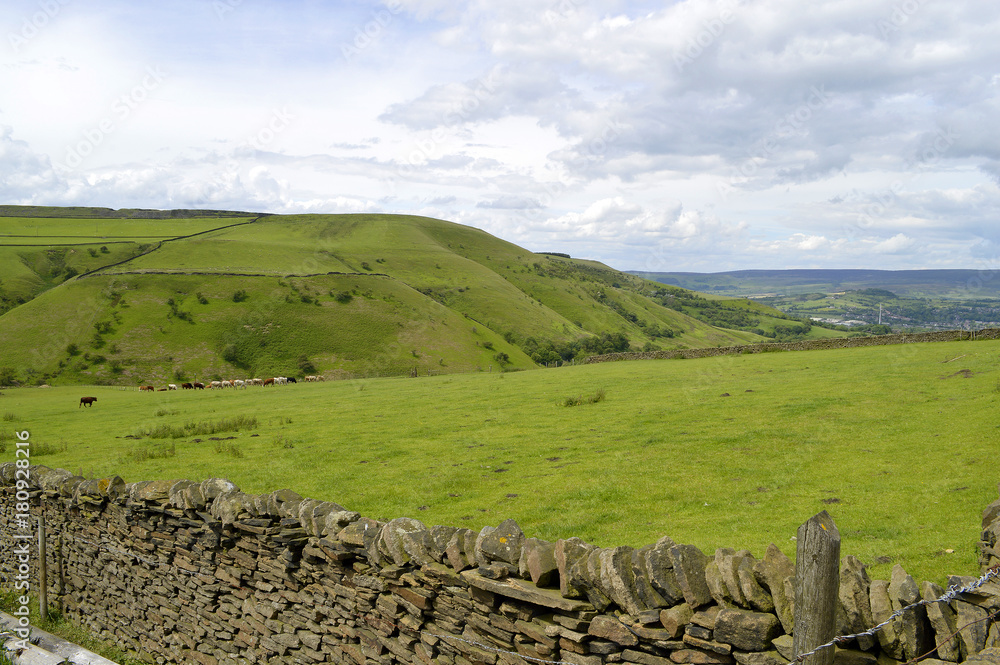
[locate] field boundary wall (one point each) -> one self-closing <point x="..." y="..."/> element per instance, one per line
<point x="200" y="572"/>
<point x="805" y="345"/>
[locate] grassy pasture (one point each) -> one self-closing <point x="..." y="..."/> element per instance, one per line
<point x="897" y="443"/>
<point x="58" y="230"/>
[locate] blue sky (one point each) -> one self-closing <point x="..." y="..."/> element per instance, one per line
<point x="703" y="135"/>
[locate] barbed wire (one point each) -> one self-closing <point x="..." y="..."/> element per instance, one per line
<point x="953" y="592"/>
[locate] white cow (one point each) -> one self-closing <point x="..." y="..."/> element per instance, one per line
<point x="215" y="384"/>
<point x="239" y="383"/>
<point x="171" y="386"/>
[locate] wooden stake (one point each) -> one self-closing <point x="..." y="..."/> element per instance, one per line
<point x="817" y="585"/>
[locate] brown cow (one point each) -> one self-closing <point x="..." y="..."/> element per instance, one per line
<point x="268" y="382"/>
<point x="87" y="401"/>
<point x="146" y="388"/>
<point x="198" y="385"/>
<point x="187" y="386"/>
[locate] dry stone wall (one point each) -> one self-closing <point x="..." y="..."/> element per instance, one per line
<point x="200" y="572"/>
<point x="805" y="345"/>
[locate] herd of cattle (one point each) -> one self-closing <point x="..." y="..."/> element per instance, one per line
<point x="232" y="383"/>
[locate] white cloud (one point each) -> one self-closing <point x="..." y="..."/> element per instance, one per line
<point x="706" y="134"/>
<point x="897" y="244"/>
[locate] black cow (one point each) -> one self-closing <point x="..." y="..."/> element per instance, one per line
<point x="87" y="401"/>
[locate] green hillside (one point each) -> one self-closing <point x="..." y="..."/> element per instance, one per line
<point x="171" y="296"/>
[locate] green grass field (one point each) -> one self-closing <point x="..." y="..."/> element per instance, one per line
<point x="897" y="443"/>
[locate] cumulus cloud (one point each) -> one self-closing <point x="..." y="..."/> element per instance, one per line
<point x="898" y="244"/>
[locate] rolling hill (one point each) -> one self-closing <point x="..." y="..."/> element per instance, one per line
<point x="126" y="297"/>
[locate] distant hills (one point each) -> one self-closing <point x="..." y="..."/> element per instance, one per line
<point x="94" y="295"/>
<point x="953" y="284"/>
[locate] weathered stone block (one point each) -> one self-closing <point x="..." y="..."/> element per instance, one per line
<point x="540" y="561"/>
<point x="618" y="579"/>
<point x="729" y="563"/>
<point x="854" y="657"/>
<point x="661" y="571"/>
<point x="612" y="629"/>
<point x="675" y="618"/>
<point x="942" y="619"/>
<point x="716" y="585"/>
<point x="888" y="636"/>
<point x="689" y="563"/>
<point x="974" y="630"/>
<point x="756" y="596"/>
<point x="391" y="538"/>
<point x="500" y="544"/>
<point x="989" y="656"/>
<point x="698" y="657"/>
<point x="775" y="571"/>
<point x="854" y="600"/>
<point x="569" y="554"/>
<point x="771" y="657"/>
<point x="746" y="631"/>
<point x="461" y="549"/>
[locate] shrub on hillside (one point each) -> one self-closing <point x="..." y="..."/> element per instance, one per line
<point x="580" y="399"/>
<point x="8" y="376"/>
<point x="306" y="365"/>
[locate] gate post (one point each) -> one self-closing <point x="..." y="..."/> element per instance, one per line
<point x="817" y="586"/>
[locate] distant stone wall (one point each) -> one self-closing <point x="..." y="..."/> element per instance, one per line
<point x="199" y="572"/>
<point x="805" y="345"/>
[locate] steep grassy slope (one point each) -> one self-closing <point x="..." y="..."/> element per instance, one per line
<point x="365" y="294"/>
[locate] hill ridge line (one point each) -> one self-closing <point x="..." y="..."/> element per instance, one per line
<point x="156" y="271"/>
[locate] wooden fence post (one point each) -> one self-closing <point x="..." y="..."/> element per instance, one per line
<point x="817" y="586"/>
<point x="43" y="591"/>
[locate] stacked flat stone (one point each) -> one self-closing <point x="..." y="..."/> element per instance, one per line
<point x="200" y="572"/>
